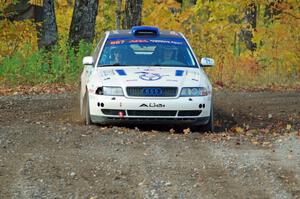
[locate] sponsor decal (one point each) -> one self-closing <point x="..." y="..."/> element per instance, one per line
<point x="138" y="41"/>
<point x="208" y="61"/>
<point x="179" y="73"/>
<point x="168" y="42"/>
<point x="118" y="42"/>
<point x="121" y="72"/>
<point x="149" y="76"/>
<point x="153" y="105"/>
<point x="107" y="74"/>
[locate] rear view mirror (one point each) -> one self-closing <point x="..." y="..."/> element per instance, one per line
<point x="89" y="60"/>
<point x="207" y="62"/>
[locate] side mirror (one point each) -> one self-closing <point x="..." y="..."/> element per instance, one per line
<point x="89" y="60"/>
<point x="207" y="62"/>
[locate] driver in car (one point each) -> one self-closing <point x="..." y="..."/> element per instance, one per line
<point x="169" y="56"/>
<point x="116" y="56"/>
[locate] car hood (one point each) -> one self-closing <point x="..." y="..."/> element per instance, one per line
<point x="151" y="76"/>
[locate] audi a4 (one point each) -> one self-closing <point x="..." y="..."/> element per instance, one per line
<point x="146" y="75"/>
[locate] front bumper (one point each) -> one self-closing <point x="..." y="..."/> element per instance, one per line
<point x="111" y="109"/>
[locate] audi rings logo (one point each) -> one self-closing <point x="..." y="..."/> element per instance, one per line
<point x="152" y="91"/>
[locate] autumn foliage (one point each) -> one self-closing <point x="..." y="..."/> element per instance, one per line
<point x="214" y="29"/>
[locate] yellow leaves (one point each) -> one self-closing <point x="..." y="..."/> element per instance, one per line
<point x="63" y="19"/>
<point x="4" y="4"/>
<point x="186" y="131"/>
<point x="238" y="130"/>
<point x="173" y="4"/>
<point x="36" y="2"/>
<point x="159" y="14"/>
<point x="16" y="35"/>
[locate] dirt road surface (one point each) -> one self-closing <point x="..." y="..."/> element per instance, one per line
<point x="46" y="152"/>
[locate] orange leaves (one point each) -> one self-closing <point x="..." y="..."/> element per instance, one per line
<point x="238" y="130"/>
<point x="186" y="131"/>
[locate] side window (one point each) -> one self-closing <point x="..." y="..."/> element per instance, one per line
<point x="97" y="50"/>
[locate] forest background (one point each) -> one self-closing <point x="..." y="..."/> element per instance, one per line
<point x="255" y="43"/>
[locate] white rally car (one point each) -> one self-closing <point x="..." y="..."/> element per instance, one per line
<point x="146" y="75"/>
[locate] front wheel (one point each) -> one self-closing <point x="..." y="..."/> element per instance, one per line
<point x="209" y="127"/>
<point x="86" y="111"/>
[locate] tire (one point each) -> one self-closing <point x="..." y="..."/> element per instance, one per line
<point x="209" y="127"/>
<point x="86" y="111"/>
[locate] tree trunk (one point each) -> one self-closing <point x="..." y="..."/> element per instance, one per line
<point x="246" y="35"/>
<point x="251" y="15"/>
<point x="47" y="32"/>
<point x="43" y="16"/>
<point x="23" y="10"/>
<point x="83" y="22"/>
<point x="133" y="13"/>
<point x="118" y="14"/>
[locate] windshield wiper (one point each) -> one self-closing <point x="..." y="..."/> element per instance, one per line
<point x="115" y="64"/>
<point x="168" y="65"/>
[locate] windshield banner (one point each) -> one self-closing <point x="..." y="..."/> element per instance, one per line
<point x="145" y="41"/>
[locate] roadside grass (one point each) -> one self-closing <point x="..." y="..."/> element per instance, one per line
<point x="30" y="68"/>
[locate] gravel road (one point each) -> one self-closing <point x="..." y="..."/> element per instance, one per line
<point x="46" y="151"/>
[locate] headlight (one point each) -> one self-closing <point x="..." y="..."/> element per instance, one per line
<point x="111" y="91"/>
<point x="193" y="91"/>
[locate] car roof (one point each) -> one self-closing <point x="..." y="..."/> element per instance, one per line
<point x="130" y="35"/>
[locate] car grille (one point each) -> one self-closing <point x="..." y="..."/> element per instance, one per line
<point x="152" y="91"/>
<point x="151" y="113"/>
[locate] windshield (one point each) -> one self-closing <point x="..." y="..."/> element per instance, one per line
<point x="146" y="52"/>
